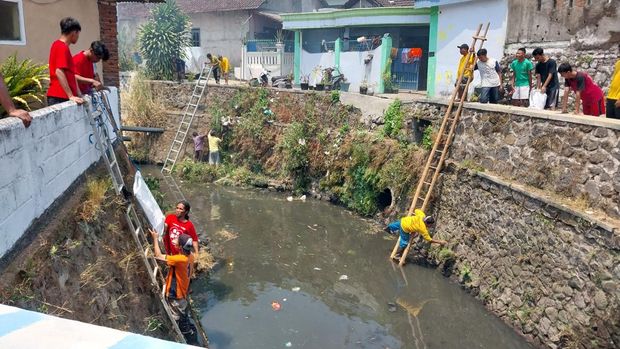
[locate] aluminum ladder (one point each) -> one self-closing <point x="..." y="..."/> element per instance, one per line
<point x="186" y="122"/>
<point x="441" y="146"/>
<point x="98" y="115"/>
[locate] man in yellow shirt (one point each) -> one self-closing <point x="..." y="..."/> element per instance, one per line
<point x="407" y="226"/>
<point x="214" y="148"/>
<point x="224" y="67"/>
<point x="613" y="96"/>
<point x="464" y="50"/>
<point x="215" y="67"/>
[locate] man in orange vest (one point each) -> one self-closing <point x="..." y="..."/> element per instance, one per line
<point x="407" y="226"/>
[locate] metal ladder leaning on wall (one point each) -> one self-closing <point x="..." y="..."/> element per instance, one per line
<point x="98" y="114"/>
<point x="436" y="158"/>
<point x="186" y="122"/>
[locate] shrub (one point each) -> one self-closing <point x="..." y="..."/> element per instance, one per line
<point x="427" y="138"/>
<point x="197" y="171"/>
<point x="95" y="194"/>
<point x="295" y="150"/>
<point x="393" y="118"/>
<point x="335" y="96"/>
<point x="163" y="38"/>
<point x="24" y="80"/>
<point x="140" y="108"/>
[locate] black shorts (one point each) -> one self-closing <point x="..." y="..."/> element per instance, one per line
<point x="613" y="112"/>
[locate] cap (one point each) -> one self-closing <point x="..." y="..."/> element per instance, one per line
<point x="186" y="242"/>
<point x="465" y="46"/>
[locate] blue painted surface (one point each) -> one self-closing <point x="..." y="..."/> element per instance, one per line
<point x="135" y="341"/>
<point x="17" y="320"/>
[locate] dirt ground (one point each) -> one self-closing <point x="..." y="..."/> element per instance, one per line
<point x="84" y="266"/>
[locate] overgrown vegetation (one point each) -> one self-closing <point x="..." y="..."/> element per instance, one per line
<point x="163" y="38"/>
<point x="393" y="117"/>
<point x="427" y="138"/>
<point x="24" y="81"/>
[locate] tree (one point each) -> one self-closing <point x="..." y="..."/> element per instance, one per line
<point x="163" y="38"/>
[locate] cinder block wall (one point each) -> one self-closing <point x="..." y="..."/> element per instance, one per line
<point x="39" y="163"/>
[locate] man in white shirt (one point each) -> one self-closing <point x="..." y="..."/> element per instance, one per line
<point x="490" y="81"/>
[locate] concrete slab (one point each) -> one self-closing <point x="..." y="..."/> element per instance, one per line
<point x="26" y="329"/>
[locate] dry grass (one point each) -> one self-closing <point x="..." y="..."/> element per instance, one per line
<point x="95" y="275"/>
<point x="95" y="194"/>
<point x="139" y="107"/>
<point x="205" y="261"/>
<point x="226" y="235"/>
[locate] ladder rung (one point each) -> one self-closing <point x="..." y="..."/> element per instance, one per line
<point x="193" y="105"/>
<point x="479" y="38"/>
<point x="174" y="150"/>
<point x="178" y="141"/>
<point x="429" y="183"/>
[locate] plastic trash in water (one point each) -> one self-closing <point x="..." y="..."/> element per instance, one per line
<point x="296" y="289"/>
<point x="343" y="277"/>
<point x="275" y="306"/>
<point x="283" y="299"/>
<point x="302" y="198"/>
<point x="288" y="344"/>
<point x="289" y="198"/>
<point x="316" y="268"/>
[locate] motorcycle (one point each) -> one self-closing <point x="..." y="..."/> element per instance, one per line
<point x="335" y="77"/>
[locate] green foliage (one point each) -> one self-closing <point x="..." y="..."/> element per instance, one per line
<point x="393" y="117"/>
<point x="335" y="95"/>
<point x="466" y="273"/>
<point x="155" y="188"/>
<point x="427" y="138"/>
<point x="295" y="150"/>
<point x="360" y="190"/>
<point x="470" y="164"/>
<point x="163" y="38"/>
<point x="256" y="102"/>
<point x="23" y="80"/>
<point x="446" y="254"/>
<point x="197" y="172"/>
<point x="387" y="77"/>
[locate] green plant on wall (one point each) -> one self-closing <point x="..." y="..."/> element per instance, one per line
<point x="387" y="77"/>
<point x="163" y="38"/>
<point x="427" y="138"/>
<point x="393" y="118"/>
<point x="295" y="151"/>
<point x="24" y="80"/>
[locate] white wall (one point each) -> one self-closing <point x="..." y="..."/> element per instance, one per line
<point x="457" y="24"/>
<point x="309" y="61"/>
<point x="37" y="164"/>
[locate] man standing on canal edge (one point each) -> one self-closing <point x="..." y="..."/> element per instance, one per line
<point x="407" y="226"/>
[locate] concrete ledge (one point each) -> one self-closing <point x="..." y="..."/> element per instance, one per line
<point x="31" y="330"/>
<point x="532" y="113"/>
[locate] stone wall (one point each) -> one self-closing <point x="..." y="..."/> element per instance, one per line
<point x="569" y="156"/>
<point x="37" y="164"/>
<point x="551" y="272"/>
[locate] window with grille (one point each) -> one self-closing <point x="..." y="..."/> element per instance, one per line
<point x="195" y="37"/>
<point x="12" y="22"/>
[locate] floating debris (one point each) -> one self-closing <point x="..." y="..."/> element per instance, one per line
<point x="296" y="289"/>
<point x="288" y="344"/>
<point x="302" y="198"/>
<point x="410" y="308"/>
<point x="289" y="198"/>
<point x="343" y="277"/>
<point x="205" y="261"/>
<point x="275" y="306"/>
<point x="391" y="307"/>
<point x="318" y="269"/>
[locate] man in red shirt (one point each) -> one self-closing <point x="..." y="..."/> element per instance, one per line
<point x="63" y="84"/>
<point x="587" y="92"/>
<point x="84" y="66"/>
<point x="177" y="224"/>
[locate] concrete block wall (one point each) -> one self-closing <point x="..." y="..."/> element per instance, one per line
<point x="39" y="163"/>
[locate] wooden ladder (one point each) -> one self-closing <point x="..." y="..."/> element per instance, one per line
<point x="437" y="156"/>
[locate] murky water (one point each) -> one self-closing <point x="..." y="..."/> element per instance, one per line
<point x="329" y="273"/>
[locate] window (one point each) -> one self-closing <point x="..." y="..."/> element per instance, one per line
<point x="195" y="37"/>
<point x="12" y="23"/>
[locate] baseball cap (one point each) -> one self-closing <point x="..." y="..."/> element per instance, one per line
<point x="186" y="242"/>
<point x="465" y="46"/>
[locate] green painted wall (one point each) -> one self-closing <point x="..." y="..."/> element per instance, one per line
<point x="297" y="57"/>
<point x="432" y="49"/>
<point x="386" y="49"/>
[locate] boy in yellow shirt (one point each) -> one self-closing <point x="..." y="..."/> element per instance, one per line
<point x="407" y="226"/>
<point x="460" y="85"/>
<point x="613" y="96"/>
<point x="214" y="148"/>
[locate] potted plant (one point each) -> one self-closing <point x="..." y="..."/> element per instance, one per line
<point x="304" y="81"/>
<point x="364" y="87"/>
<point x="324" y="82"/>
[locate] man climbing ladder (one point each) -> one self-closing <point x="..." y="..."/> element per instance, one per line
<point x="435" y="161"/>
<point x="407" y="226"/>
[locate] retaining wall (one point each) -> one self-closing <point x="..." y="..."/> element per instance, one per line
<point x="550" y="271"/>
<point x="39" y="163"/>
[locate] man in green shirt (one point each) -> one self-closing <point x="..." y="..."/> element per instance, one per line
<point x="521" y="79"/>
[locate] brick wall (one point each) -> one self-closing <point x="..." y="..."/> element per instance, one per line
<point x="107" y="23"/>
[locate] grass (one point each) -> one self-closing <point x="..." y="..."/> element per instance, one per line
<point x="95" y="194"/>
